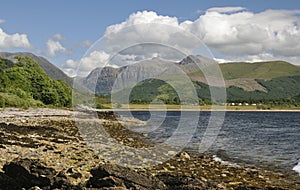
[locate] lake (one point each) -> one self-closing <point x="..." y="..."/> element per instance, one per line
<point x="262" y="138"/>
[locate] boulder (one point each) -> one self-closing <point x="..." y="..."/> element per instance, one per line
<point x="174" y="182"/>
<point x="110" y="175"/>
<point x="8" y="183"/>
<point x="29" y="173"/>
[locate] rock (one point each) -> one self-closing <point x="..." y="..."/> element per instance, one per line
<point x="109" y="181"/>
<point x="235" y="183"/>
<point x="8" y="183"/>
<point x="130" y="139"/>
<point x="185" y="155"/>
<point x="171" y="153"/>
<point x="29" y="173"/>
<point x="174" y="181"/>
<point x="110" y="175"/>
<point x="76" y="175"/>
<point x="61" y="181"/>
<point x="35" y="188"/>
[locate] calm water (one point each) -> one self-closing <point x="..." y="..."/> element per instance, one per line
<point x="264" y="138"/>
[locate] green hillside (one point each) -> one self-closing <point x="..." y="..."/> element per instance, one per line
<point x="25" y="84"/>
<point x="50" y="69"/>
<point x="281" y="90"/>
<point x="259" y="70"/>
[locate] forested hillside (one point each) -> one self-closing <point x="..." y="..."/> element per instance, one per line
<point x="25" y="84"/>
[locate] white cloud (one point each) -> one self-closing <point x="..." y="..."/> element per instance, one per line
<point x="250" y="34"/>
<point x="232" y="32"/>
<point x="259" y="58"/>
<point x="58" y="37"/>
<point x="52" y="47"/>
<point x="86" y="64"/>
<point x="9" y="41"/>
<point x="226" y="9"/>
<point x="149" y="27"/>
<point x="2" y="21"/>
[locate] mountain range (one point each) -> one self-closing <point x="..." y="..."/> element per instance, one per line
<point x="245" y="82"/>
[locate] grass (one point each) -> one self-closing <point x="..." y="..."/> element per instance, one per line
<point x="260" y="70"/>
<point x="12" y="100"/>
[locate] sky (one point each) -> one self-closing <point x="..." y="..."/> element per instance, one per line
<point x="234" y="30"/>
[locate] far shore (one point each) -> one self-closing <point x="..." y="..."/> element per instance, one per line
<point x="206" y="108"/>
<point x="63" y="111"/>
<point x="201" y="110"/>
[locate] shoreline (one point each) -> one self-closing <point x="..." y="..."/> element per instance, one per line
<point x="50" y="137"/>
<point x="62" y="111"/>
<point x="200" y="110"/>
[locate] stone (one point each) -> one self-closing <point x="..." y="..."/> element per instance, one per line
<point x="185" y="155"/>
<point x="8" y="183"/>
<point x="174" y="181"/>
<point x="76" y="175"/>
<point x="110" y="175"/>
<point x="35" y="188"/>
<point x="30" y="173"/>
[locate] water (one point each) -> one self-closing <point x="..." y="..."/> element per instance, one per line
<point x="263" y="138"/>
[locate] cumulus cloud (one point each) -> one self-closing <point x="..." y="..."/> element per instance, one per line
<point x="250" y="34"/>
<point x="52" y="47"/>
<point x="147" y="26"/>
<point x="58" y="37"/>
<point x="234" y="33"/>
<point x="86" y="64"/>
<point x="226" y="9"/>
<point x="230" y="31"/>
<point x="9" y="41"/>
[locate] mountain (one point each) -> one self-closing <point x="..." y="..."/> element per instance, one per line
<point x="242" y="74"/>
<point x="259" y="70"/>
<point x="23" y="83"/>
<point x="50" y="69"/>
<point x="101" y="80"/>
<point x="249" y="82"/>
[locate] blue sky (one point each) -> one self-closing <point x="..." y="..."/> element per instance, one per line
<point x="77" y="24"/>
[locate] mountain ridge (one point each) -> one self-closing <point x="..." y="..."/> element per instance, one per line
<point x="244" y="81"/>
<point x="241" y="74"/>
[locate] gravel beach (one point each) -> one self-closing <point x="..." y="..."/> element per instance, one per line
<point x="43" y="149"/>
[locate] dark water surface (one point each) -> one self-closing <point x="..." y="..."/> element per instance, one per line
<point x="263" y="138"/>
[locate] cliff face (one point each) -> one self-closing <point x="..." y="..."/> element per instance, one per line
<point x="102" y="80"/>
